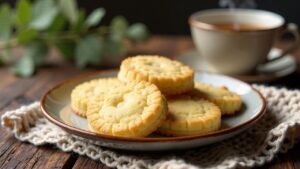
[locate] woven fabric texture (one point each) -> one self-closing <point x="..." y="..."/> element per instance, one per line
<point x="277" y="131"/>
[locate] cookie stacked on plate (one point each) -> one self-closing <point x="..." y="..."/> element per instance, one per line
<point x="152" y="94"/>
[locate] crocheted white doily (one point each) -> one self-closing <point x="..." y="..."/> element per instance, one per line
<point x="276" y="132"/>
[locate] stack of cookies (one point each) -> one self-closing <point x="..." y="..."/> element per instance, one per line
<point x="153" y="94"/>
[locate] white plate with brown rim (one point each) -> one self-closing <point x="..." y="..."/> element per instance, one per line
<point x="55" y="106"/>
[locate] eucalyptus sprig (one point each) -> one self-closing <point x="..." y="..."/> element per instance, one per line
<point x="41" y="24"/>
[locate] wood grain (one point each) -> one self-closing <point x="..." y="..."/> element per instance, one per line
<point x="15" y="92"/>
<point x="84" y="162"/>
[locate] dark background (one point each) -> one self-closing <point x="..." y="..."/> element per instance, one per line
<point x="170" y="16"/>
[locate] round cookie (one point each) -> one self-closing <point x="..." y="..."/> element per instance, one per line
<point x="229" y="102"/>
<point x="135" y="109"/>
<point x="190" y="116"/>
<point x="170" y="76"/>
<point x="83" y="93"/>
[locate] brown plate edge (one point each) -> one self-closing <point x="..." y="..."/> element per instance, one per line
<point x="91" y="135"/>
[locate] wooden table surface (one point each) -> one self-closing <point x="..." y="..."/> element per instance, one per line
<point x="15" y="92"/>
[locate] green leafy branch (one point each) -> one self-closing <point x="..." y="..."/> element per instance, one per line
<point x="42" y="24"/>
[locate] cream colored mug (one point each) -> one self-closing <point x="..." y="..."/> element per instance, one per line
<point x="237" y="51"/>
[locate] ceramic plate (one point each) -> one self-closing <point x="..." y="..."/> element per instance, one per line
<point x="265" y="73"/>
<point x="55" y="106"/>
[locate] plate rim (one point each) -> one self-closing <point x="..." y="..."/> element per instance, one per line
<point x="96" y="136"/>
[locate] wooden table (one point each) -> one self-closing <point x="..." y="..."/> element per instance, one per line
<point x="15" y="92"/>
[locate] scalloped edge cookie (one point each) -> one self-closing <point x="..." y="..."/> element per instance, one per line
<point x="82" y="93"/>
<point x="229" y="102"/>
<point x="190" y="116"/>
<point x="136" y="109"/>
<point x="170" y="76"/>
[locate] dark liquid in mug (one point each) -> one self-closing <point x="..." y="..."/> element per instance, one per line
<point x="238" y="26"/>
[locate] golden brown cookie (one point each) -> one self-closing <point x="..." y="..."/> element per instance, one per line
<point x="170" y="76"/>
<point x="135" y="109"/>
<point x="229" y="102"/>
<point x="190" y="116"/>
<point x="82" y="93"/>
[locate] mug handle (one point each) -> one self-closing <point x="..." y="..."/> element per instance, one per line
<point x="292" y="28"/>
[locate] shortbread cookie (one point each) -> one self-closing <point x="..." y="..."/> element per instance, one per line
<point x="135" y="109"/>
<point x="190" y="116"/>
<point x="82" y="93"/>
<point x="229" y="102"/>
<point x="170" y="76"/>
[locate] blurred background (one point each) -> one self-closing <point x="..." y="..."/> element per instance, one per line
<point x="102" y="33"/>
<point x="170" y="16"/>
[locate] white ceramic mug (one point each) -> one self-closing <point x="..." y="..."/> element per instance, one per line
<point x="236" y="51"/>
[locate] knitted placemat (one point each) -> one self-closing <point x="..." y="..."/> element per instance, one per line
<point x="276" y="132"/>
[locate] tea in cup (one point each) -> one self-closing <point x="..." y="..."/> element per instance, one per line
<point x="236" y="41"/>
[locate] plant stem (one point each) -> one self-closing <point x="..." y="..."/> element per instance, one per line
<point x="58" y="36"/>
<point x="9" y="44"/>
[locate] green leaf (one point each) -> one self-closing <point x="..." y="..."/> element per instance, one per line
<point x="6" y="22"/>
<point x="69" y="9"/>
<point x="34" y="56"/>
<point x="58" y="24"/>
<point x="38" y="51"/>
<point x="26" y="35"/>
<point x="23" y="12"/>
<point x="67" y="49"/>
<point x="43" y="14"/>
<point x="88" y="51"/>
<point x="138" y="32"/>
<point x="95" y="17"/>
<point x="113" y="47"/>
<point x="119" y="26"/>
<point x="24" y="67"/>
<point x="80" y="24"/>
